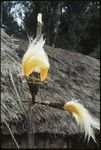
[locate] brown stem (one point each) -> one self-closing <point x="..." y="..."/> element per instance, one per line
<point x="33" y="89"/>
<point x="31" y="143"/>
<point x="54" y="105"/>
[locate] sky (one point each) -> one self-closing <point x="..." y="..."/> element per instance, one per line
<point x="20" y="9"/>
<point x="16" y="11"/>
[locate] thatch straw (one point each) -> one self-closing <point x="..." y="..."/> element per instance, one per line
<point x="71" y="75"/>
<point x="14" y="91"/>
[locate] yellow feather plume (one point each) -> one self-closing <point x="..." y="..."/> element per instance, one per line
<point x="36" y="59"/>
<point x="83" y="118"/>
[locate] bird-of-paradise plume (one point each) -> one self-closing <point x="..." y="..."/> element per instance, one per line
<point x="35" y="59"/>
<point x="83" y="118"/>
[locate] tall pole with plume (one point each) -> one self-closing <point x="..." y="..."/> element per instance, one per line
<point x="35" y="67"/>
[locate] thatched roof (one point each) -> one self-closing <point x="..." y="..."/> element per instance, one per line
<point x="12" y="97"/>
<point x="71" y="75"/>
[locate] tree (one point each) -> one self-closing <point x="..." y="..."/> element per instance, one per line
<point x="7" y="18"/>
<point x="67" y="24"/>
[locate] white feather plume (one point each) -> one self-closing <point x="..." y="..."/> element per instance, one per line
<point x="35" y="59"/>
<point x="83" y="118"/>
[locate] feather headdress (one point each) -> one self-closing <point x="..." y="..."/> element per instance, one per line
<point x="35" y="59"/>
<point x="83" y="118"/>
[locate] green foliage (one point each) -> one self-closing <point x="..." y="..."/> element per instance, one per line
<point x="96" y="53"/>
<point x="7" y="18"/>
<point x="70" y="25"/>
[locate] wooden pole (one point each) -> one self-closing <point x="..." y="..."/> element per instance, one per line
<point x="33" y="87"/>
<point x="39" y="26"/>
<point x="51" y="104"/>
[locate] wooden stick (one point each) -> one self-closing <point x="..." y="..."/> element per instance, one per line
<point x="12" y="135"/>
<point x="17" y="94"/>
<point x="39" y="25"/>
<point x="54" y="105"/>
<point x="30" y="128"/>
<point x="33" y="89"/>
